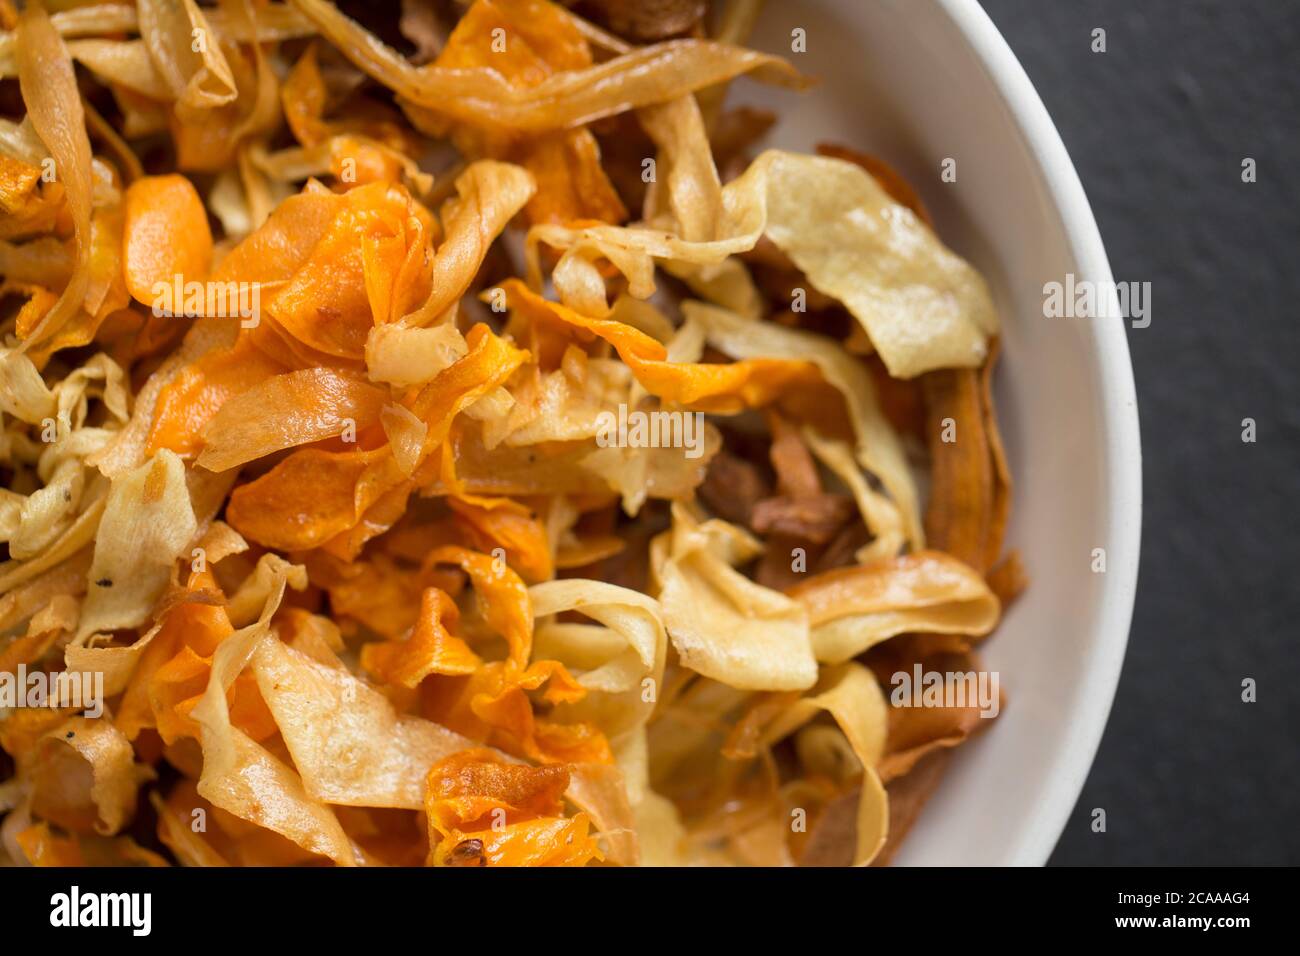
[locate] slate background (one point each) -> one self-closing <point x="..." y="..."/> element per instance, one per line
<point x="1158" y="126"/>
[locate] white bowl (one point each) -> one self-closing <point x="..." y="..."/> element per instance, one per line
<point x="918" y="81"/>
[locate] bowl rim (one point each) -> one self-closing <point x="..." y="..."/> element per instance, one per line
<point x="1120" y="433"/>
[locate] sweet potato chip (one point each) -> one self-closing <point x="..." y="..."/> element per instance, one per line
<point x="430" y="648"/>
<point x="294" y="408"/>
<point x="492" y="813"/>
<point x="167" y="236"/>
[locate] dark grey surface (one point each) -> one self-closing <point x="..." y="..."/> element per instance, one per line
<point x="1158" y="126"/>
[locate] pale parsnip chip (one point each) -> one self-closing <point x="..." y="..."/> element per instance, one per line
<point x="349" y="744"/>
<point x="406" y="434"/>
<point x="621" y="664"/>
<point x="558" y="406"/>
<point x="115" y="664"/>
<point x="271" y="574"/>
<point x="49" y="88"/>
<point x="77" y="21"/>
<point x="488" y="194"/>
<point x="23" y="393"/>
<point x="599" y="790"/>
<point x="147" y="523"/>
<point x="849" y="693"/>
<point x="24" y="601"/>
<point x="725" y="626"/>
<point x="922" y="306"/>
<point x="186" y="53"/>
<point x="79" y="534"/>
<point x="242" y="777"/>
<point x="693" y="193"/>
<point x="176" y="830"/>
<point x="660" y="833"/>
<point x="86" y="771"/>
<point x="661" y="838"/>
<point x="124" y="63"/>
<point x="219" y="542"/>
<point x="100" y="378"/>
<point x="47" y="511"/>
<point x="405" y="356"/>
<point x="852" y="609"/>
<point x="656" y="472"/>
